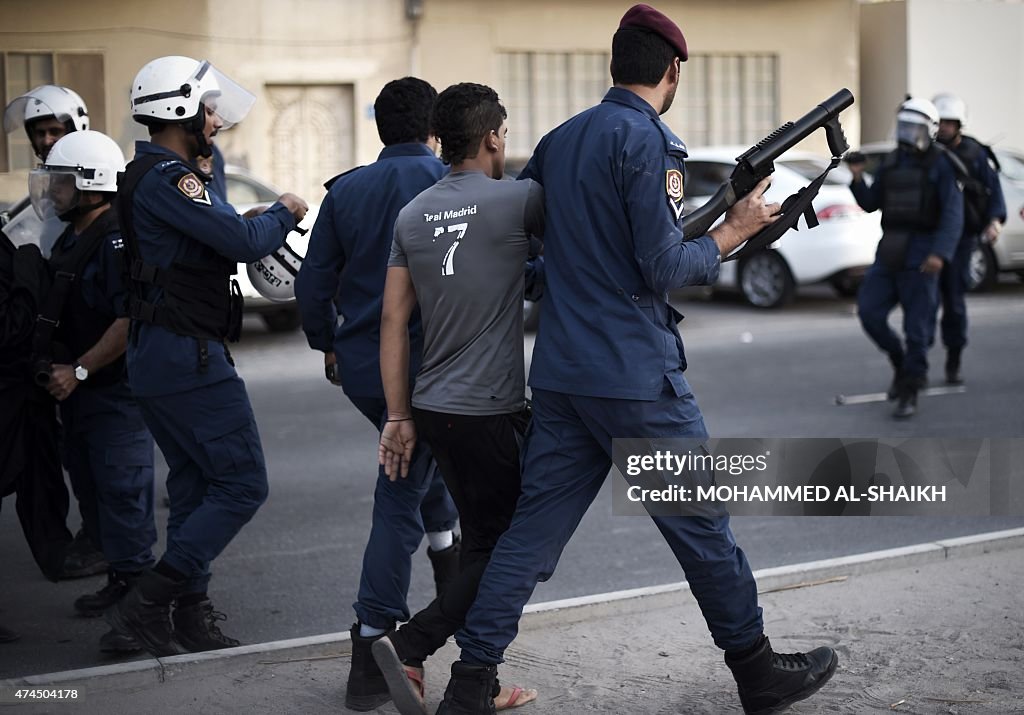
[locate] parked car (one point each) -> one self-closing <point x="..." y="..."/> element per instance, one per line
<point x="1006" y="254"/>
<point x="838" y="251"/>
<point x="245" y="191"/>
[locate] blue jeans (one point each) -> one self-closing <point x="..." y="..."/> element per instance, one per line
<point x="566" y="460"/>
<point x="403" y="511"/>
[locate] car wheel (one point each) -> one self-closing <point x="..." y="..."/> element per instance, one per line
<point x="531" y="316"/>
<point x="983" y="269"/>
<point x="765" y="280"/>
<point x="282" y="321"/>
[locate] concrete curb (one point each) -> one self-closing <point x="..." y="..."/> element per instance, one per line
<point x="153" y="671"/>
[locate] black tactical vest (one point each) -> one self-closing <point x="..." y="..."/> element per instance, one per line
<point x="910" y="200"/>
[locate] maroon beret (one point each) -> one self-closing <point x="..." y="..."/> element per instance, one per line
<point x="646" y="17"/>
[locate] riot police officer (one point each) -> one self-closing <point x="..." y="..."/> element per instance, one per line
<point x="922" y="219"/>
<point x="343" y="273"/>
<point x="984" y="216"/>
<point x="613" y="180"/>
<point x="183" y="243"/>
<point x="108" y="452"/>
<point x="46" y="114"/>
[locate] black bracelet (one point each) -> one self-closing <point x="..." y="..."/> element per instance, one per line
<point x="403" y="419"/>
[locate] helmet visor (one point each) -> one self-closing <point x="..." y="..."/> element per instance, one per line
<point x="229" y="100"/>
<point x="913" y="135"/>
<point x="53" y="193"/>
<point x="26" y="108"/>
<point x="27" y="229"/>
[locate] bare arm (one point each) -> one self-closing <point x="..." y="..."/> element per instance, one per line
<point x="398" y="438"/>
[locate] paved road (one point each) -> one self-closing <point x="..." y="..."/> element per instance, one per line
<point x="294" y="569"/>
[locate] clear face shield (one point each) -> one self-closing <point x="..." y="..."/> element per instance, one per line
<point x="913" y="135"/>
<point x="26" y="108"/>
<point x="27" y="229"/>
<point x="228" y="100"/>
<point x="53" y="193"/>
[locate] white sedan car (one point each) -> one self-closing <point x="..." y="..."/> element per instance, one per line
<point x="245" y="191"/>
<point x="838" y="250"/>
<point x="1007" y="254"/>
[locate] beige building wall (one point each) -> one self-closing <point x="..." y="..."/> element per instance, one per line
<point x="883" y="67"/>
<point x="815" y="41"/>
<point x="315" y="67"/>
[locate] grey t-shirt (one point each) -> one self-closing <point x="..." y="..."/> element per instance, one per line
<point x="465" y="241"/>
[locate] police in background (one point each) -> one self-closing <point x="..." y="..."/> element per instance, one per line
<point x="46" y="114"/>
<point x="922" y="220"/>
<point x="108" y="452"/>
<point x="609" y="362"/>
<point x="29" y="450"/>
<point x="984" y="216"/>
<point x="183" y="243"/>
<point x="343" y="276"/>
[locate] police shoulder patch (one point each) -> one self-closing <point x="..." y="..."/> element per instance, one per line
<point x="190" y="185"/>
<point x="674" y="191"/>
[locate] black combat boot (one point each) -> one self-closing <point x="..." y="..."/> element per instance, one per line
<point x="470" y="691"/>
<point x="195" y="627"/>
<point x="769" y="682"/>
<point x="118" y="643"/>
<point x="446" y="565"/>
<point x="366" y="688"/>
<point x="82" y="558"/>
<point x="145" y="613"/>
<point x="897" y="374"/>
<point x="906" y="399"/>
<point x="953" y="376"/>
<point x="92" y="605"/>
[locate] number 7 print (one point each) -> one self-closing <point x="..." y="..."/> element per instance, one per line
<point x="448" y="265"/>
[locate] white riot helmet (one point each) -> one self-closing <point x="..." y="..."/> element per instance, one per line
<point x="80" y="161"/>
<point x="48" y="100"/>
<point x="951" y="108"/>
<point x="175" y="90"/>
<point x="917" y="122"/>
<point x="273" y="276"/>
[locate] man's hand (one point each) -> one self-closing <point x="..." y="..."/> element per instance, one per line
<point x="397" y="441"/>
<point x="932" y="264"/>
<point x="293" y="203"/>
<point x="746" y="217"/>
<point x="254" y="211"/>
<point x="331" y="368"/>
<point x="992" y="231"/>
<point x="62" y="382"/>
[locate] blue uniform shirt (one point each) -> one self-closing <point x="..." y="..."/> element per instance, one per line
<point x="170" y="227"/>
<point x="944" y="239"/>
<point x="102" y="278"/>
<point x="613" y="248"/>
<point x="983" y="171"/>
<point x="346" y="263"/>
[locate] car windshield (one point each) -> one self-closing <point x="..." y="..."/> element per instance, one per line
<point x="243" y="191"/>
<point x="811" y="168"/>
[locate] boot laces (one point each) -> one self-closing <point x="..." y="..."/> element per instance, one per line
<point x="792" y="661"/>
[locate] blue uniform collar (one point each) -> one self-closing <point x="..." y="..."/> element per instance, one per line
<point x="630" y="99"/>
<point x="145" y="147"/>
<point x="410" y="149"/>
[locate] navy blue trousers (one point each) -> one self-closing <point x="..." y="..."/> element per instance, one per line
<point x="953" y="282"/>
<point x="217" y="477"/>
<point x="566" y="460"/>
<point x="917" y="294"/>
<point x="403" y="511"/>
<point x="108" y="453"/>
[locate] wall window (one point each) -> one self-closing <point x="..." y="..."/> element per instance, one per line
<point x="540" y="90"/>
<point x="21" y="71"/>
<point x="726" y="99"/>
<point x="723" y="99"/>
